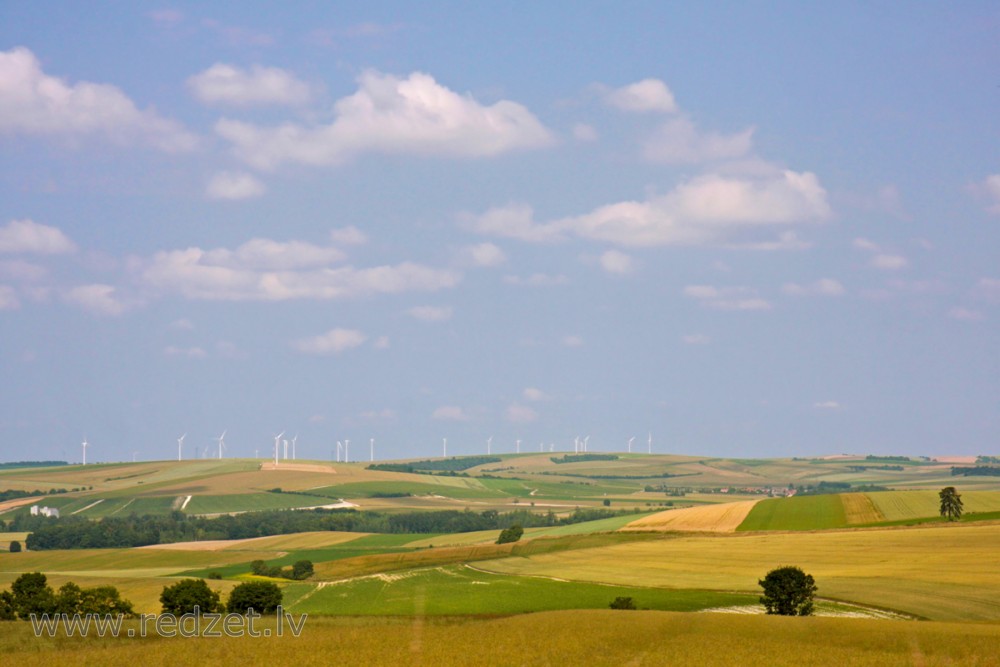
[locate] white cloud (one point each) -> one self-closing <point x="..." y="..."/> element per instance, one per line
<point x="965" y="315"/>
<point x="727" y="298"/>
<point x="27" y="236"/>
<point x="483" y="255"/>
<point x="643" y="96"/>
<point x="348" y="236"/>
<point x="234" y="185"/>
<point x="521" y="414"/>
<point x="696" y="339"/>
<point x="865" y="244"/>
<point x="584" y="132"/>
<point x="678" y="141"/>
<point x="827" y="405"/>
<point x="990" y="188"/>
<point x="31" y="102"/>
<point x="334" y="341"/>
<point x="537" y="280"/>
<point x="430" y="313"/>
<point x="266" y="270"/>
<point x="450" y="413"/>
<point x="381" y="343"/>
<point x="535" y="394"/>
<point x="614" y="261"/>
<point x="390" y="115"/>
<point x="572" y="341"/>
<point x="98" y="299"/>
<point x="989" y="289"/>
<point x="223" y="84"/>
<point x="822" y="287"/>
<point x="21" y="271"/>
<point x="189" y="352"/>
<point x="710" y="209"/>
<point x="8" y="298"/>
<point x="888" y="262"/>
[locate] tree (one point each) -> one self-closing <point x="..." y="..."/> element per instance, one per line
<point x="302" y="569"/>
<point x="951" y="503"/>
<point x="788" y="591"/>
<point x="185" y="595"/>
<point x="261" y="596"/>
<point x="15" y="547"/>
<point x="32" y="595"/>
<point x="622" y="603"/>
<point x="510" y="534"/>
<point x="8" y="609"/>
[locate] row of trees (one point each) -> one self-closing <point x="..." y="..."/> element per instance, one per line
<point x="73" y="532"/>
<point x="31" y="594"/>
<point x="301" y="569"/>
<point x="190" y="596"/>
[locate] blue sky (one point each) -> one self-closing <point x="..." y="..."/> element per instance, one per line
<point x="750" y="229"/>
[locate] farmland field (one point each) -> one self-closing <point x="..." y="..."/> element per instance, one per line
<point x="797" y="513"/>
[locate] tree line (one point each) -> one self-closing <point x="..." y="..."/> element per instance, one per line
<point x="73" y="532"/>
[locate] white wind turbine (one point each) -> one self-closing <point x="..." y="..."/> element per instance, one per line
<point x="650" y="442"/>
<point x="371" y="445"/>
<point x="84" y="445"/>
<point x="518" y="447"/>
<point x="340" y="449"/>
<point x="630" y="441"/>
<point x="576" y="445"/>
<point x="222" y="443"/>
<point x="489" y="445"/>
<point x="277" y="439"/>
<point x="444" y="448"/>
<point x="180" y="442"/>
<point x="347" y="450"/>
<point x="293" y="445"/>
<point x="586" y="444"/>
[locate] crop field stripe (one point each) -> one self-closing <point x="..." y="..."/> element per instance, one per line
<point x="796" y="513"/>
<point x="859" y="509"/>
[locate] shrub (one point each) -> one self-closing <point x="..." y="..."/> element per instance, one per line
<point x="261" y="596"/>
<point x="510" y="534"/>
<point x="185" y="595"/>
<point x="622" y="603"/>
<point x="15" y="547"/>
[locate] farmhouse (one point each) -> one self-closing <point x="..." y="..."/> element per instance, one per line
<point x="44" y="511"/>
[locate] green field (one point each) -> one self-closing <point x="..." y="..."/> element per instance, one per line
<point x="796" y="513"/>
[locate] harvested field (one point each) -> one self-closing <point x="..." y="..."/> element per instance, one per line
<point x="722" y="518"/>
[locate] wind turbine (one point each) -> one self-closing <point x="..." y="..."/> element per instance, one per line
<point x="489" y="445"/>
<point x="180" y="441"/>
<point x="293" y="445"/>
<point x="84" y="445"/>
<point x="630" y="441"/>
<point x="340" y="449"/>
<point x="576" y="445"/>
<point x="650" y="442"/>
<point x="284" y="444"/>
<point x="347" y="450"/>
<point x="518" y="446"/>
<point x="444" y="448"/>
<point x="371" y="444"/>
<point x="276" y="439"/>
<point x="222" y="443"/>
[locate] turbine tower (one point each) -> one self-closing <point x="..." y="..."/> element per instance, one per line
<point x="650" y="442"/>
<point x="340" y="450"/>
<point x="347" y="450"/>
<point x="518" y="446"/>
<point x="489" y="445"/>
<point x="277" y="438"/>
<point x="293" y="445"/>
<point x="630" y="441"/>
<point x="284" y="444"/>
<point x="222" y="443"/>
<point x="371" y="444"/>
<point x="180" y="442"/>
<point x="586" y="444"/>
<point x="444" y="448"/>
<point x="84" y="445"/>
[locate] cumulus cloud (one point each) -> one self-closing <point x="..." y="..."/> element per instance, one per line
<point x="333" y="341"/>
<point x="990" y="189"/>
<point x="710" y="209"/>
<point x="862" y="243"/>
<point x="267" y="270"/>
<point x="32" y="102"/>
<point x="727" y="298"/>
<point x="8" y="298"/>
<point x="98" y="299"/>
<point x="648" y="95"/>
<point x="223" y="84"/>
<point x="521" y="414"/>
<point x="678" y="141"/>
<point x="822" y="287"/>
<point x="534" y="394"/>
<point x="617" y="262"/>
<point x="348" y="236"/>
<point x="483" y="255"/>
<point x="430" y="313"/>
<point x="887" y="262"/>
<point x="584" y="132"/>
<point x="450" y="413"/>
<point x="234" y="185"/>
<point x="29" y="237"/>
<point x="387" y="114"/>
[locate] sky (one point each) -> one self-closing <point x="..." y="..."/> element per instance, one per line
<point x="754" y="229"/>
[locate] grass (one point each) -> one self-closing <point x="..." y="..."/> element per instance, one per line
<point x="593" y="637"/>
<point x="251" y="502"/>
<point x="937" y="572"/>
<point x="462" y="590"/>
<point x="796" y="513"/>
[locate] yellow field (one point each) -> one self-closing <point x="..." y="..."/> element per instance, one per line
<point x="594" y="638"/>
<point x="941" y="572"/>
<point x="901" y="505"/>
<point x="721" y="518"/>
<point x="860" y="508"/>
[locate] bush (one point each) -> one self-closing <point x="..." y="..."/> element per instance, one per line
<point x="302" y="569"/>
<point x="788" y="591"/>
<point x="185" y="595"/>
<point x="510" y="534"/>
<point x="261" y="596"/>
<point x="622" y="603"/>
<point x="15" y="547"/>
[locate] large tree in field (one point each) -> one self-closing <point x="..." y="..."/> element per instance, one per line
<point x="788" y="591"/>
<point x="185" y="595"/>
<point x="951" y="503"/>
<point x="261" y="596"/>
